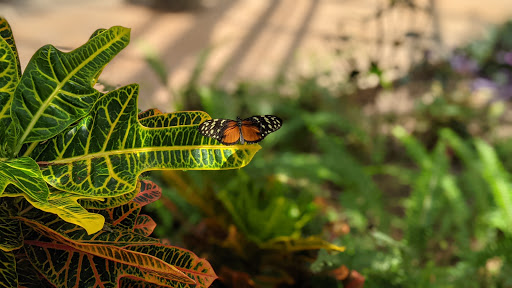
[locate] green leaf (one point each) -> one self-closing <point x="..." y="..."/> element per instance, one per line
<point x="104" y="154"/>
<point x="145" y="193"/>
<point x="8" y="276"/>
<point x="499" y="181"/>
<point x="6" y="34"/>
<point x="149" y="113"/>
<point x="66" y="206"/>
<point x="10" y="231"/>
<point x="56" y="88"/>
<point x="9" y="78"/>
<point x="110" y="202"/>
<point x="24" y="173"/>
<point x="173" y="119"/>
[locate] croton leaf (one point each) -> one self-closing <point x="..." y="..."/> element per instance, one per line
<point x="28" y="277"/>
<point x="63" y="204"/>
<point x="24" y="173"/>
<point x="56" y="88"/>
<point x="155" y="119"/>
<point x="105" y="152"/>
<point x="10" y="231"/>
<point x="6" y="34"/>
<point x="146" y="192"/>
<point x="149" y="113"/>
<point x="197" y="269"/>
<point x="9" y="78"/>
<point x="127" y="216"/>
<point x="124" y="216"/>
<point x="89" y="258"/>
<point x="107" y="256"/>
<point x="149" y="193"/>
<point x="144" y="225"/>
<point x="133" y="283"/>
<point x="111" y="202"/>
<point x="8" y="276"/>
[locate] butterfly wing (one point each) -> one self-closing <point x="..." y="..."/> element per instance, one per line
<point x="227" y="132"/>
<point x="214" y="128"/>
<point x="223" y="130"/>
<point x="230" y="134"/>
<point x="251" y="131"/>
<point x="256" y="128"/>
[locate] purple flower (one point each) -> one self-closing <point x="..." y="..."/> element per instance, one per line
<point x="500" y="92"/>
<point x="504" y="57"/>
<point x="464" y="65"/>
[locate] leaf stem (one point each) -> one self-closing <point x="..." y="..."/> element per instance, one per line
<point x="29" y="149"/>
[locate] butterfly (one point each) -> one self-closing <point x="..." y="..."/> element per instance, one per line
<point x="250" y="130"/>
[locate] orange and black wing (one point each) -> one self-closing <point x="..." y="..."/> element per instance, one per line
<point x="223" y="130"/>
<point x="230" y="134"/>
<point x="251" y="131"/>
<point x="256" y="128"/>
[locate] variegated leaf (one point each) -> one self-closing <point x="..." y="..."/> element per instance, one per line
<point x="8" y="276"/>
<point x="24" y="174"/>
<point x="6" y="34"/>
<point x="9" y="78"/>
<point x="157" y="120"/>
<point x="105" y="152"/>
<point x="56" y="88"/>
<point x="28" y="276"/>
<point x="149" y="193"/>
<point x="144" y="225"/>
<point x="149" y="113"/>
<point x="145" y="193"/>
<point x="47" y="241"/>
<point x="80" y="257"/>
<point x="110" y="202"/>
<point x="63" y="204"/>
<point x="10" y="230"/>
<point x="124" y="216"/>
<point x="197" y="269"/>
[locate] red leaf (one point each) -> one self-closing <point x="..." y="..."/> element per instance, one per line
<point x="144" y="225"/>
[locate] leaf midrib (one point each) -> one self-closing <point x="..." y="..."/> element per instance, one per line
<point x="150" y="149"/>
<point x="60" y="85"/>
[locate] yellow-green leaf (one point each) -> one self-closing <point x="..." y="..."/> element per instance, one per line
<point x="24" y="174"/>
<point x="298" y="244"/>
<point x="56" y="88"/>
<point x="10" y="235"/>
<point x="6" y="34"/>
<point x="9" y="78"/>
<point x="105" y="152"/>
<point x="66" y="206"/>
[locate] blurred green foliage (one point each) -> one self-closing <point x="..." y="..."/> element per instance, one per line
<point x="426" y="206"/>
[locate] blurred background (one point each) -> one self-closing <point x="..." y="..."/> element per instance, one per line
<point x="396" y="142"/>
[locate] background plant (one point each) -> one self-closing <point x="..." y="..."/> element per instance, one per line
<point x="421" y="206"/>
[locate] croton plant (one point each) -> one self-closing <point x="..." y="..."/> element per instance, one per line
<point x="70" y="161"/>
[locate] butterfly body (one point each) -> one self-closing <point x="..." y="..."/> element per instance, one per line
<point x="249" y="130"/>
